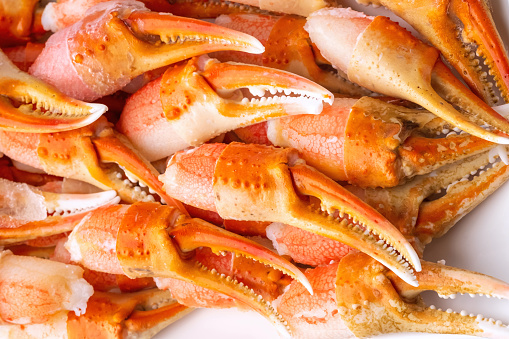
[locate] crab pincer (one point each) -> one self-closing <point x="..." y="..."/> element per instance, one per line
<point x="402" y="308"/>
<point x="152" y="240"/>
<point x="201" y="98"/>
<point x="27" y="212"/>
<point x="260" y="183"/>
<point x="360" y="298"/>
<point x="118" y="40"/>
<point x="427" y="206"/>
<point x="466" y="35"/>
<point x="96" y="154"/>
<point x="27" y="104"/>
<point x="368" y="142"/>
<point x="384" y="57"/>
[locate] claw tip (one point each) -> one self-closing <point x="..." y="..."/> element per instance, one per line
<point x="258" y="48"/>
<point x="97" y="108"/>
<point x="415" y="260"/>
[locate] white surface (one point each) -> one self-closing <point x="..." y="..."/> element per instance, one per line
<point x="479" y="242"/>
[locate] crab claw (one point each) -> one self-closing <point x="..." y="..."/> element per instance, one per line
<point x="136" y="315"/>
<point x="29" y="105"/>
<point x="379" y="298"/>
<point x="117" y="41"/>
<point x="96" y="154"/>
<point x="369" y="142"/>
<point x="260" y="183"/>
<point x="28" y="213"/>
<point x="203" y="98"/>
<point x="429" y="205"/>
<point x="158" y="241"/>
<point x="464" y="32"/>
<point x="400" y="65"/>
<point x="464" y="189"/>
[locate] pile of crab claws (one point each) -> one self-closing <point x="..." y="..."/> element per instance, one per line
<point x="29" y="213"/>
<point x="254" y="182"/>
<point x="139" y="314"/>
<point x="464" y="32"/>
<point x="379" y="298"/>
<point x="402" y="66"/>
<point x="30" y="105"/>
<point x="138" y="41"/>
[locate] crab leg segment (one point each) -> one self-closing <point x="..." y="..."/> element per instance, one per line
<point x="34" y="290"/>
<point x="202" y="98"/>
<point x="402" y="66"/>
<point x="27" y="104"/>
<point x="262" y="183"/>
<point x="119" y="40"/>
<point x="464" y="31"/>
<point x="147" y="238"/>
<point x="374" y="303"/>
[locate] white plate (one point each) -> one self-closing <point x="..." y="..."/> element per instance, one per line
<point x="479" y="242"/>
